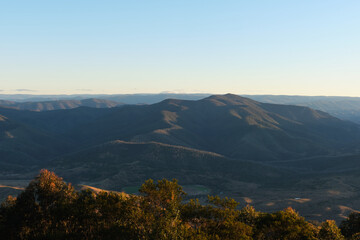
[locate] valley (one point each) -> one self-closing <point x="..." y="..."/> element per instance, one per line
<point x="268" y="155"/>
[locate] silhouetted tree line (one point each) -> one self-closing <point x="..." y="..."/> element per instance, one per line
<point x="49" y="208"/>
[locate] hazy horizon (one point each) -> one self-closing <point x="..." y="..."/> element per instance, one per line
<point x="169" y="93"/>
<point x="53" y="93"/>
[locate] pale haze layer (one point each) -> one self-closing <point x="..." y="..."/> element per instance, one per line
<point x="245" y="47"/>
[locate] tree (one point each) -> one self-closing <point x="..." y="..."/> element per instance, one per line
<point x="165" y="194"/>
<point x="286" y="225"/>
<point x="8" y="220"/>
<point x="351" y="225"/>
<point x="329" y="231"/>
<point x="249" y="216"/>
<point x="160" y="204"/>
<point x="42" y="210"/>
<point x="50" y="208"/>
<point x="218" y="220"/>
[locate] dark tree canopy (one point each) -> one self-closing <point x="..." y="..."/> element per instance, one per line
<point x="50" y="208"/>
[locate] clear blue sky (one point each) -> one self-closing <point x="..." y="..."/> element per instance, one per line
<point x="308" y="47"/>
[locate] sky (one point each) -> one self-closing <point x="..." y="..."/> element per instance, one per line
<point x="184" y="46"/>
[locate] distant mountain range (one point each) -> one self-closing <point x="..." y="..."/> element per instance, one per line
<point x="59" y="104"/>
<point x="347" y="108"/>
<point x="124" y="98"/>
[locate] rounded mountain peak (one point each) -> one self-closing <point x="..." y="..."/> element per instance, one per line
<point x="229" y="99"/>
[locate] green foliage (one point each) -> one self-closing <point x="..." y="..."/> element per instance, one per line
<point x="248" y="215"/>
<point x="329" y="231"/>
<point x="355" y="236"/>
<point x="286" y="225"/>
<point x="165" y="194"/>
<point x="50" y="209"/>
<point x="224" y="203"/>
<point x="41" y="211"/>
<point x="217" y="220"/>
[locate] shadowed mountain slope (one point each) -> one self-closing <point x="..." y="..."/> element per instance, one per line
<point x="22" y="146"/>
<point x="230" y="125"/>
<point x="116" y="164"/>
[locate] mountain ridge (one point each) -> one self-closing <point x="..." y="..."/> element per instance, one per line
<point x="59" y="104"/>
<point x="229" y="125"/>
